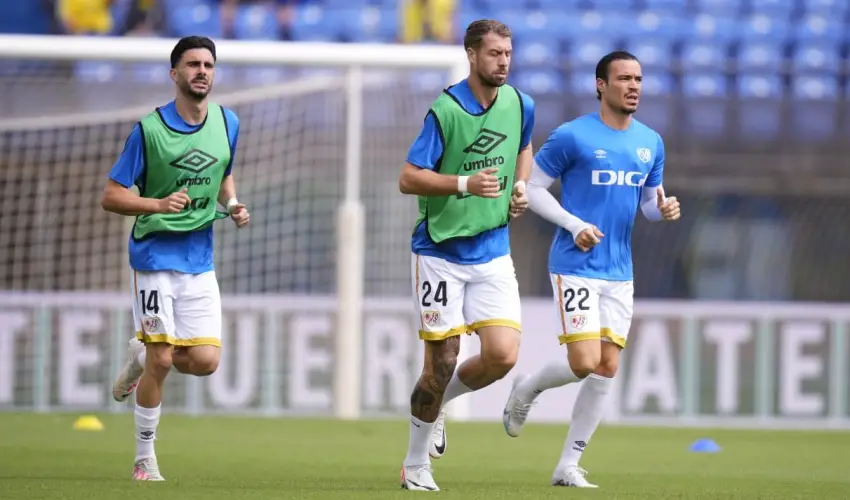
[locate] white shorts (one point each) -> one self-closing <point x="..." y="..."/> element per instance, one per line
<point x="176" y="308"/>
<point x="453" y="299"/>
<point x="593" y="308"/>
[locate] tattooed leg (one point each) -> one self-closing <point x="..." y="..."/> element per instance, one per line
<point x="440" y="362"/>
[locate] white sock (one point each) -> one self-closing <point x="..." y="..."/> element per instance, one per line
<point x="420" y="440"/>
<point x="146" y="421"/>
<point x="587" y="413"/>
<point x="455" y="388"/>
<point x="554" y="374"/>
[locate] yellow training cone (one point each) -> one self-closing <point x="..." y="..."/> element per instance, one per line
<point x="88" y="423"/>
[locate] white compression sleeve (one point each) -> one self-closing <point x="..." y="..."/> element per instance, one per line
<point x="541" y="202"/>
<point x="649" y="203"/>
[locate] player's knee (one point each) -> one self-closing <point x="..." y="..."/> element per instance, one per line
<point x="609" y="362"/>
<point x="500" y="362"/>
<point x="158" y="362"/>
<point x="205" y="368"/>
<point x="205" y="360"/>
<point x="584" y="365"/>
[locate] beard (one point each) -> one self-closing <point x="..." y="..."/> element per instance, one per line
<point x="196" y="95"/>
<point x="491" y="80"/>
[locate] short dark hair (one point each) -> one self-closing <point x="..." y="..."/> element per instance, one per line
<point x="189" y="43"/>
<point x="604" y="65"/>
<point x="476" y="31"/>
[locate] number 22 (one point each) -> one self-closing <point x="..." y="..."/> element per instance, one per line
<point x="570" y="295"/>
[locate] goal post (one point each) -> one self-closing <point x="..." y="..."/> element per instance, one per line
<point x="353" y="61"/>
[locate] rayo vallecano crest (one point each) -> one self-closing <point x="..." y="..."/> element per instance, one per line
<point x="644" y="154"/>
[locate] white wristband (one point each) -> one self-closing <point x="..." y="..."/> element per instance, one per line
<point x="231" y="202"/>
<point x="462" y="180"/>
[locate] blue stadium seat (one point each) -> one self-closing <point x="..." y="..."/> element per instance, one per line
<point x="581" y="25"/>
<point x="765" y="27"/>
<point x="657" y="84"/>
<point x="582" y="82"/>
<point x="722" y="7"/>
<point x="814" y="88"/>
<point x="195" y="18"/>
<point x="256" y="22"/>
<point x="713" y="28"/>
<point x="706" y="115"/>
<point x="704" y="55"/>
<point x="96" y="71"/>
<point x="314" y="23"/>
<point x="535" y="52"/>
<point x="816" y="58"/>
<point x="670" y="6"/>
<point x="760" y="86"/>
<point x="654" y="108"/>
<point x="759" y="114"/>
<point x="538" y="81"/>
<point x="465" y="14"/>
<point x="773" y="8"/>
<point x="588" y="52"/>
<point x="759" y="56"/>
<point x="531" y="22"/>
<point x="819" y="27"/>
<point x="814" y="114"/>
<point x="704" y="85"/>
<point x="836" y="8"/>
<point x="373" y="25"/>
<point x="657" y="24"/>
<point x="154" y="73"/>
<point x="652" y="53"/>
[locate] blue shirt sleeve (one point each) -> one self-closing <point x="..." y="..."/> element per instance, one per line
<point x="554" y="156"/>
<point x="527" y="120"/>
<point x="427" y="149"/>
<point x="130" y="166"/>
<point x="656" y="175"/>
<point x="232" y="122"/>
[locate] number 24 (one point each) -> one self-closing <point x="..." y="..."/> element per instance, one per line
<point x="439" y="293"/>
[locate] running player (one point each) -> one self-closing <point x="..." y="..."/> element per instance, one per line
<point x="180" y="156"/>
<point x="468" y="168"/>
<point x="609" y="164"/>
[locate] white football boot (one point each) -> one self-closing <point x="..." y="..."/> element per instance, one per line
<point x="147" y="469"/>
<point x="418" y="478"/>
<point x="572" y="476"/>
<point x="438" y="436"/>
<point x="128" y="378"/>
<point x="516" y="408"/>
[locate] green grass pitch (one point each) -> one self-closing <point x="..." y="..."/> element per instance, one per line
<point x="229" y="458"/>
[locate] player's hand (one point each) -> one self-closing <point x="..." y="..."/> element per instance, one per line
<point x="669" y="207"/>
<point x="519" y="200"/>
<point x="484" y="183"/>
<point x="588" y="238"/>
<point x="239" y="214"/>
<point x="175" y="202"/>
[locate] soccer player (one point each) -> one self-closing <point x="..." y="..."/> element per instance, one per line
<point x="468" y="168"/>
<point x="180" y="156"/>
<point x="609" y="165"/>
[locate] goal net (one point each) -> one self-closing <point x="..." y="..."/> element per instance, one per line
<point x="308" y="142"/>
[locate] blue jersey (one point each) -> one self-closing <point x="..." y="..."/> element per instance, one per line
<point x="602" y="173"/>
<point x="426" y="151"/>
<point x="190" y="252"/>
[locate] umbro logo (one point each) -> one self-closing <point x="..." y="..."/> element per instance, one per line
<point x="195" y="161"/>
<point x="486" y="142"/>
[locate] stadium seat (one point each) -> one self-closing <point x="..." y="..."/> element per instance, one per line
<point x="706" y="115"/>
<point x="256" y="22"/>
<point x="816" y="58"/>
<point x="195" y="18"/>
<point x="593" y="24"/>
<point x="657" y="24"/>
<point x="704" y="55"/>
<point x="654" y="107"/>
<point x="373" y="25"/>
<point x="530" y="52"/>
<point x="814" y="112"/>
<point x="759" y="111"/>
<point x="836" y="9"/>
<point x="716" y="29"/>
<point x="759" y="56"/>
<point x="96" y="71"/>
<point x="814" y="88"/>
<point x="154" y="73"/>
<point x="538" y="81"/>
<point x="586" y="53"/>
<point x="818" y="27"/>
<point x="652" y="53"/>
<point x="720" y="7"/>
<point x="532" y="23"/>
<point x="314" y="23"/>
<point x="765" y="27"/>
<point x="666" y="6"/>
<point x="780" y="9"/>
